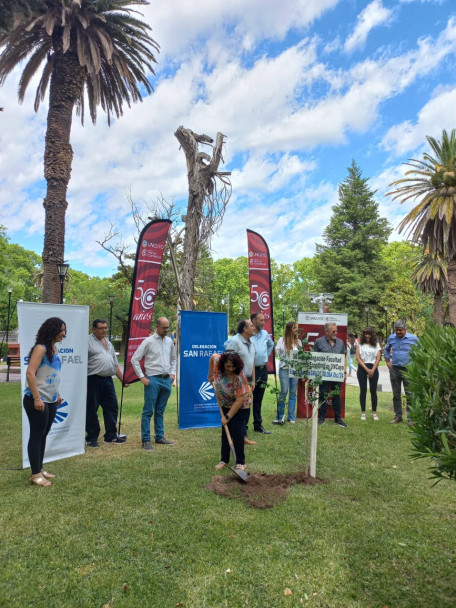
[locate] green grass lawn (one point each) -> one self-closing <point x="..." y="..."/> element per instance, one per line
<point x="123" y="528"/>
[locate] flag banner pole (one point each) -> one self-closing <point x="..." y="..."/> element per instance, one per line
<point x="148" y="262"/>
<point x="261" y="286"/>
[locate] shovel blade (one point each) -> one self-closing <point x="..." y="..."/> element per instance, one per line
<point x="241" y="474"/>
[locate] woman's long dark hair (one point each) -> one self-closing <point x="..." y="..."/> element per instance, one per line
<point x="373" y="335"/>
<point x="47" y="333"/>
<point x="233" y="358"/>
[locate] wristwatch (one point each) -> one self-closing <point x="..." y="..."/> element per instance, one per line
<point x="227" y="417"/>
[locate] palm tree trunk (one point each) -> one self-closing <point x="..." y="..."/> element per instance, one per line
<point x="452" y="290"/>
<point x="65" y="88"/>
<point x="438" y="313"/>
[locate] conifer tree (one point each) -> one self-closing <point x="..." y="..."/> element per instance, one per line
<point x="349" y="264"/>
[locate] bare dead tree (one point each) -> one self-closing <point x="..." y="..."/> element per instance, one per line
<point x="124" y="251"/>
<point x="209" y="191"/>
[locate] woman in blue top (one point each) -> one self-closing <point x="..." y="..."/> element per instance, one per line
<point x="42" y="396"/>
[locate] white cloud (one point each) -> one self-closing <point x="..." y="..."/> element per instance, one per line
<point x="438" y="114"/>
<point x="237" y="24"/>
<point x="284" y="109"/>
<point x="373" y="15"/>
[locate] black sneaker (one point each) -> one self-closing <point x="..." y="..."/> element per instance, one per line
<point x="321" y="421"/>
<point x="92" y="444"/>
<point x="116" y="440"/>
<point x="340" y="422"/>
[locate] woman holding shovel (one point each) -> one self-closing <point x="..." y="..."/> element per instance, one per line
<point x="234" y="396"/>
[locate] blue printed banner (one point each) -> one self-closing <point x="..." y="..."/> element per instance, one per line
<point x="202" y="335"/>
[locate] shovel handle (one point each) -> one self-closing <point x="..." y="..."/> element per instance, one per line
<point x="225" y="426"/>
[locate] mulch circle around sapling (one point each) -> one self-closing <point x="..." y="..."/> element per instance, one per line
<point x="261" y="491"/>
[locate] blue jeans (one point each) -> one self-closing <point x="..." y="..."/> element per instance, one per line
<point x="351" y="365"/>
<point x="156" y="397"/>
<point x="290" y="385"/>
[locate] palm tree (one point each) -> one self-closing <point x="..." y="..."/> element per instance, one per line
<point x="433" y="221"/>
<point x="430" y="275"/>
<point x="94" y="52"/>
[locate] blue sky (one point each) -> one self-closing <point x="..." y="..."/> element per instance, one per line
<point x="299" y="88"/>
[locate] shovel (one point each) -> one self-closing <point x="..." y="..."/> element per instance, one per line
<point x="241" y="474"/>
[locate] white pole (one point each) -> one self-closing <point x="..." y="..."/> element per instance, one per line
<point x="313" y="443"/>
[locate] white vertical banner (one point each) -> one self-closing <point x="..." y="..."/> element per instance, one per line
<point x="66" y="437"/>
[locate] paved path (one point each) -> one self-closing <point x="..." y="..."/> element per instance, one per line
<point x="14" y="376"/>
<point x="384" y="383"/>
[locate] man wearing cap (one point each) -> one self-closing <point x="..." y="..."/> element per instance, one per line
<point x="397" y="357"/>
<point x="160" y="367"/>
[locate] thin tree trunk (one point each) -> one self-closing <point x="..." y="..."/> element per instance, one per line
<point x="438" y="312"/>
<point x="452" y="290"/>
<point x="65" y="88"/>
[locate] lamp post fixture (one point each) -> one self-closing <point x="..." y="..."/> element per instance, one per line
<point x="62" y="269"/>
<point x="10" y="289"/>
<point x="386" y="322"/>
<point x="111" y="304"/>
<point x="367" y="315"/>
<point x="322" y="299"/>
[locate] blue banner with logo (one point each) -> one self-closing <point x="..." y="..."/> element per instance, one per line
<point x="202" y="335"/>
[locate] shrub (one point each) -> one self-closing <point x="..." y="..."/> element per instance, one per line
<point x="116" y="344"/>
<point x="432" y="378"/>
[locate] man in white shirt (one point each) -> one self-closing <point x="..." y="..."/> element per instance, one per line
<point x="160" y="367"/>
<point x="102" y="364"/>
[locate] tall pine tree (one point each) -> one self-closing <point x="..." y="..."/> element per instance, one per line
<point x="349" y="264"/>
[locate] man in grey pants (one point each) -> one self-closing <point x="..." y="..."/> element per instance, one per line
<point x="397" y="357"/>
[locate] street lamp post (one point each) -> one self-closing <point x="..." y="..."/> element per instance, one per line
<point x="62" y="269"/>
<point x="323" y="300"/>
<point x="367" y="315"/>
<point x="10" y="289"/>
<point x="386" y="322"/>
<point x="111" y="304"/>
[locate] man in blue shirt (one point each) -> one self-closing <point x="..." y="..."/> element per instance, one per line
<point x="397" y="357"/>
<point x="263" y="348"/>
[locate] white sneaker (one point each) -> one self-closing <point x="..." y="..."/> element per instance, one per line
<point x="363" y="416"/>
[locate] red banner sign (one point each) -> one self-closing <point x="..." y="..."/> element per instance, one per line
<point x="149" y="255"/>
<point x="260" y="285"/>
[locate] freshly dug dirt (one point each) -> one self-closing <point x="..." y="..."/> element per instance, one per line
<point x="261" y="491"/>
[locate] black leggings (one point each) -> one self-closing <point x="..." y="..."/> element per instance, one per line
<point x="236" y="426"/>
<point x="40" y="425"/>
<point x="362" y="379"/>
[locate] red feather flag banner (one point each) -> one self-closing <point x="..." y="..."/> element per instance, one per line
<point x="149" y="256"/>
<point x="260" y="285"/>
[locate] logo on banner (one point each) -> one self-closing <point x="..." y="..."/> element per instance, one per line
<point x="60" y="415"/>
<point x="205" y="390"/>
<point x="147" y="297"/>
<point x="262" y="298"/>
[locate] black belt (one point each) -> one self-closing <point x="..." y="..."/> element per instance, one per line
<point x="163" y="376"/>
<point x="260" y="366"/>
